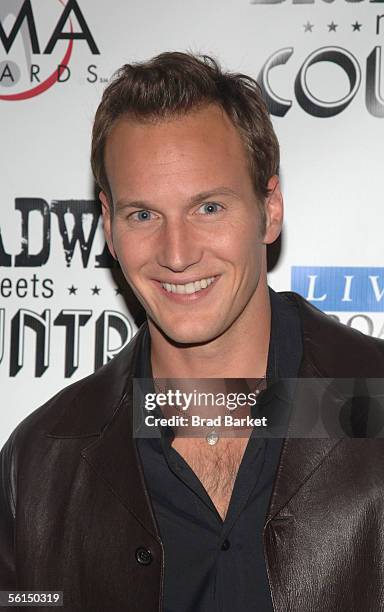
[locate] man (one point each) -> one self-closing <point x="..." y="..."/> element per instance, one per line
<point x="187" y="162"/>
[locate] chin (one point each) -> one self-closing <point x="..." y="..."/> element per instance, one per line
<point x="188" y="333"/>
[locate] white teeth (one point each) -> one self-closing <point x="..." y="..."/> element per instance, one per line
<point x="189" y="287"/>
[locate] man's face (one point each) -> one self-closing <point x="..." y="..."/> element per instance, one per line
<point x="186" y="226"/>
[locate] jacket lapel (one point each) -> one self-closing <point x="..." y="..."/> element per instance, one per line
<point x="101" y="413"/>
<point x="115" y="460"/>
<point x="301" y="457"/>
<point x="330" y="351"/>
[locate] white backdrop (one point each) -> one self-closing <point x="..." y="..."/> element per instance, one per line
<point x="61" y="314"/>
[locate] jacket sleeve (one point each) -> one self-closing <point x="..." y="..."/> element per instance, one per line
<point x="7" y="515"/>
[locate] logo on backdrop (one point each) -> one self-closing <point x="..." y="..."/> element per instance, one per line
<point x="72" y="227"/>
<point x="34" y="62"/>
<point x="73" y="217"/>
<point x="357" y="293"/>
<point x="317" y="94"/>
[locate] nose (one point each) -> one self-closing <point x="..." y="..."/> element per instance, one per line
<point x="179" y="246"/>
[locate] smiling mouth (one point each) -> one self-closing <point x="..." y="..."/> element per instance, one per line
<point x="189" y="288"/>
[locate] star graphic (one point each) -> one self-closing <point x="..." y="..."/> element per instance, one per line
<point x="117" y="291"/>
<point x="332" y="27"/>
<point x="72" y="290"/>
<point x="356" y="26"/>
<point x="308" y="27"/>
<point x="95" y="290"/>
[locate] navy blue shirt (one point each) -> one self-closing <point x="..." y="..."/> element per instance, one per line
<point x="213" y="565"/>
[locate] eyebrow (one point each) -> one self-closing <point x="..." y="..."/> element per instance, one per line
<point x="199" y="197"/>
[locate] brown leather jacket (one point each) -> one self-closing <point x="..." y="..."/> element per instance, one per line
<point x="75" y="514"/>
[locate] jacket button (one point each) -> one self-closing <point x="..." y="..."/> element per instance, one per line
<point x="143" y="556"/>
<point x="225" y="545"/>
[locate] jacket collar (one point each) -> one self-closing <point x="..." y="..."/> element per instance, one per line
<point x="100" y="408"/>
<point x="330" y="351"/>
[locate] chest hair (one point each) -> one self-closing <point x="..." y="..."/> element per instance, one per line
<point x="215" y="466"/>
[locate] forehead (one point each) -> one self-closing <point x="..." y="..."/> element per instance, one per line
<point x="201" y="146"/>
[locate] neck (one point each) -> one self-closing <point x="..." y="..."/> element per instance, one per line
<point x="240" y="352"/>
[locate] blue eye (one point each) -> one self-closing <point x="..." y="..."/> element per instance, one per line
<point x="142" y="215"/>
<point x="210" y="208"/>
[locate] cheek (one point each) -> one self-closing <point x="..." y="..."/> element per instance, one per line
<point x="130" y="251"/>
<point x="239" y="248"/>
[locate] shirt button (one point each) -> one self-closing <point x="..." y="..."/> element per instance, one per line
<point x="143" y="556"/>
<point x="225" y="545"/>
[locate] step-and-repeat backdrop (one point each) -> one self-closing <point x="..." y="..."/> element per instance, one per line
<point x="64" y="310"/>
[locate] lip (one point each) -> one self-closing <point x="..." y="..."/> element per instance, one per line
<point x="184" y="281"/>
<point x="186" y="298"/>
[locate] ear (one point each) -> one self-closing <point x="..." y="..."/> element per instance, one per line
<point x="274" y="211"/>
<point x="107" y="221"/>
